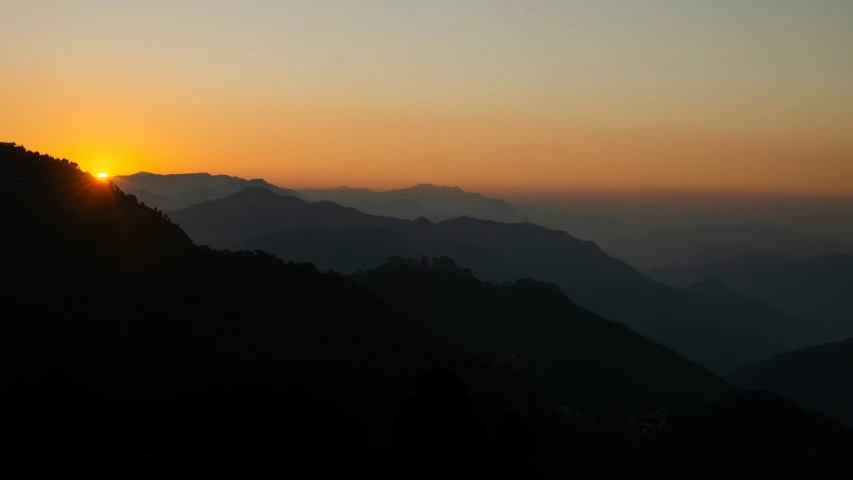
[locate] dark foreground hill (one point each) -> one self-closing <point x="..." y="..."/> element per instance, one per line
<point x="774" y="437"/>
<point x="124" y="346"/>
<point x="345" y="240"/>
<point x="577" y="358"/>
<point x="122" y="336"/>
<point x="818" y="378"/>
<point x="122" y="340"/>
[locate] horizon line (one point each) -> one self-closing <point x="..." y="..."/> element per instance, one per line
<point x="551" y="191"/>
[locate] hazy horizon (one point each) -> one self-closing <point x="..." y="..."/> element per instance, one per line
<point x="534" y="192"/>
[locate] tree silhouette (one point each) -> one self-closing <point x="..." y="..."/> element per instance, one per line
<point x="512" y="449"/>
<point x="54" y="415"/>
<point x="436" y="434"/>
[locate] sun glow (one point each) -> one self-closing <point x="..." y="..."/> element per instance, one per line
<point x="102" y="176"/>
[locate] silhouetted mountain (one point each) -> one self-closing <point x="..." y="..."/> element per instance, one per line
<point x="817" y="289"/>
<point x="342" y="195"/>
<point x="174" y="192"/>
<point x="764" y="325"/>
<point x="423" y="200"/>
<point x="234" y="222"/>
<point x="396" y="208"/>
<point x="342" y="250"/>
<point x="436" y="432"/>
<point x="616" y="291"/>
<point x="577" y="358"/>
<point x="817" y="378"/>
<point x="499" y="211"/>
<point x="493" y="251"/>
<point x="253" y="211"/>
<point x="122" y="342"/>
<point x="126" y="347"/>
<point x="640" y="245"/>
<point x="752" y="435"/>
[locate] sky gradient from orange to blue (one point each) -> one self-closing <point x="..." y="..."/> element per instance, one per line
<point x="738" y="95"/>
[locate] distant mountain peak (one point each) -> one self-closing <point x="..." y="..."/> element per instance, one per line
<point x="344" y="189"/>
<point x="430" y="186"/>
<point x="192" y="174"/>
<point x="255" y="193"/>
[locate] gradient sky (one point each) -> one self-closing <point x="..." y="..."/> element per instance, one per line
<point x="744" y="95"/>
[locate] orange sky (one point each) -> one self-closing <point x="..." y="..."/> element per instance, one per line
<point x="484" y="95"/>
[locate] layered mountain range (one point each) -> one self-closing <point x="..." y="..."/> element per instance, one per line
<point x="644" y="245"/>
<point x="199" y="339"/>
<point x="347" y="240"/>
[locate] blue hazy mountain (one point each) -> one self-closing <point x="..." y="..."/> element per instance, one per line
<point x="289" y="228"/>
<point x="817" y="289"/>
<point x="424" y="200"/>
<point x="642" y="245"/>
<point x="173" y="192"/>
<point x="649" y="246"/>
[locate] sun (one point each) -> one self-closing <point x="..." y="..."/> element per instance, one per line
<point x="102" y="176"/>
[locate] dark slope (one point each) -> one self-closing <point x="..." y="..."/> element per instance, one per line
<point x="618" y="292"/>
<point x="754" y="435"/>
<point x="341" y="250"/>
<point x="577" y="358"/>
<point x="402" y="208"/>
<point x="236" y="221"/>
<point x="120" y="335"/>
<point x="596" y="370"/>
<point x="818" y="378"/>
<point x="177" y="191"/>
<point x="817" y="289"/>
<point x="767" y="327"/>
<point x="227" y="222"/>
<point x="493" y="251"/>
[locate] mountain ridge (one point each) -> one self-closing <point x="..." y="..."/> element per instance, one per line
<point x="453" y="304"/>
<point x="644" y="246"/>
<point x="177" y="191"/>
<point x="127" y="346"/>
<point x="496" y="252"/>
<point x="816" y="377"/>
<point x="816" y="288"/>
